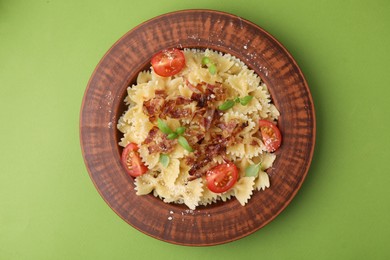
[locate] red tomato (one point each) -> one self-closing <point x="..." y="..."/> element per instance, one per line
<point x="168" y="62"/>
<point x="271" y="135"/>
<point x="221" y="177"/>
<point x="131" y="161"/>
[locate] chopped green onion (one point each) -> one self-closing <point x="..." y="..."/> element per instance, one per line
<point x="163" y="127"/>
<point x="172" y="136"/>
<point x="212" y="69"/>
<point x="183" y="142"/>
<point x="237" y="100"/>
<point x="164" y="159"/>
<point x="205" y="61"/>
<point x="245" y="100"/>
<point x="228" y="104"/>
<point x="180" y="130"/>
<point x="253" y="170"/>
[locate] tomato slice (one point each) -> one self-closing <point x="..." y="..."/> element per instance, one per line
<point x="222" y="177"/>
<point x="168" y="62"/>
<point x="271" y="135"/>
<point x="131" y="161"/>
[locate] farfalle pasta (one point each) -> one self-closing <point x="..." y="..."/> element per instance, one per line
<point x="206" y="115"/>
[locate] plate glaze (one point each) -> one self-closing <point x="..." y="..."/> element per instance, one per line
<point x="103" y="105"/>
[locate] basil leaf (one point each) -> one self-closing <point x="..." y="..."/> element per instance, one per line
<point x="164" y="159"/>
<point x="183" y="142"/>
<point x="245" y="100"/>
<point x="212" y="69"/>
<point x="163" y="127"/>
<point x="205" y="61"/>
<point x="253" y="170"/>
<point x="228" y="104"/>
<point x="180" y="130"/>
<point x="172" y="136"/>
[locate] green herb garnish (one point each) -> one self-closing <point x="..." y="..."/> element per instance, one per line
<point x="164" y="159"/>
<point x="163" y="127"/>
<point x="180" y="130"/>
<point x="245" y="100"/>
<point x="212" y="69"/>
<point x="230" y="103"/>
<point x="205" y="61"/>
<point x="174" y="134"/>
<point x="183" y="142"/>
<point x="253" y="170"/>
<point x="226" y="105"/>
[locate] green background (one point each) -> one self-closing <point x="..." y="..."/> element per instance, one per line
<point x="49" y="208"/>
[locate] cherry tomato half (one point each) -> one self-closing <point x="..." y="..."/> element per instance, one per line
<point x="131" y="161"/>
<point x="271" y="135"/>
<point x="221" y="177"/>
<point x="168" y="62"/>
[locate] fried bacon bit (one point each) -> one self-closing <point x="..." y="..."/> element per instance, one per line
<point x="160" y="107"/>
<point x="228" y="128"/>
<point x="160" y="92"/>
<point x="157" y="142"/>
<point x="216" y="146"/>
<point x="254" y="143"/>
<point x="208" y="118"/>
<point x="217" y="90"/>
<point x="203" y="93"/>
<point x="194" y="134"/>
<point x="175" y="108"/>
<point x="153" y="107"/>
<point x="196" y="89"/>
<point x="182" y="101"/>
<point x="205" y="155"/>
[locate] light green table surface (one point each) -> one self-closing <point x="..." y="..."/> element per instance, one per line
<point x="49" y="208"/>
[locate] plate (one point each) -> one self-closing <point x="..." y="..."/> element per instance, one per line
<point x="103" y="104"/>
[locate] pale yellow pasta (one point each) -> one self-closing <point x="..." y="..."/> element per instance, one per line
<point x="267" y="159"/>
<point x="193" y="193"/>
<point x="241" y="84"/>
<point x="243" y="189"/>
<point x="253" y="107"/>
<point x="184" y="91"/>
<point x="150" y="160"/>
<point x="144" y="77"/>
<point x="262" y="181"/>
<point x="172" y="87"/>
<point x="138" y="128"/>
<point x="145" y="184"/>
<point x="226" y="195"/>
<point x="208" y="196"/>
<point x="171" y="182"/>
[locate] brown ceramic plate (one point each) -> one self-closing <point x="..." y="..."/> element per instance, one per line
<point x="103" y="104"/>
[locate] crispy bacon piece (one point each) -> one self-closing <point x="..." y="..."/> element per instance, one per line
<point x="196" y="89"/>
<point x="175" y="108"/>
<point x="203" y="93"/>
<point x="153" y="107"/>
<point x="160" y="107"/>
<point x="208" y="118"/>
<point x="157" y="142"/>
<point x="216" y="146"/>
<point x="202" y="159"/>
<point x="217" y="91"/>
